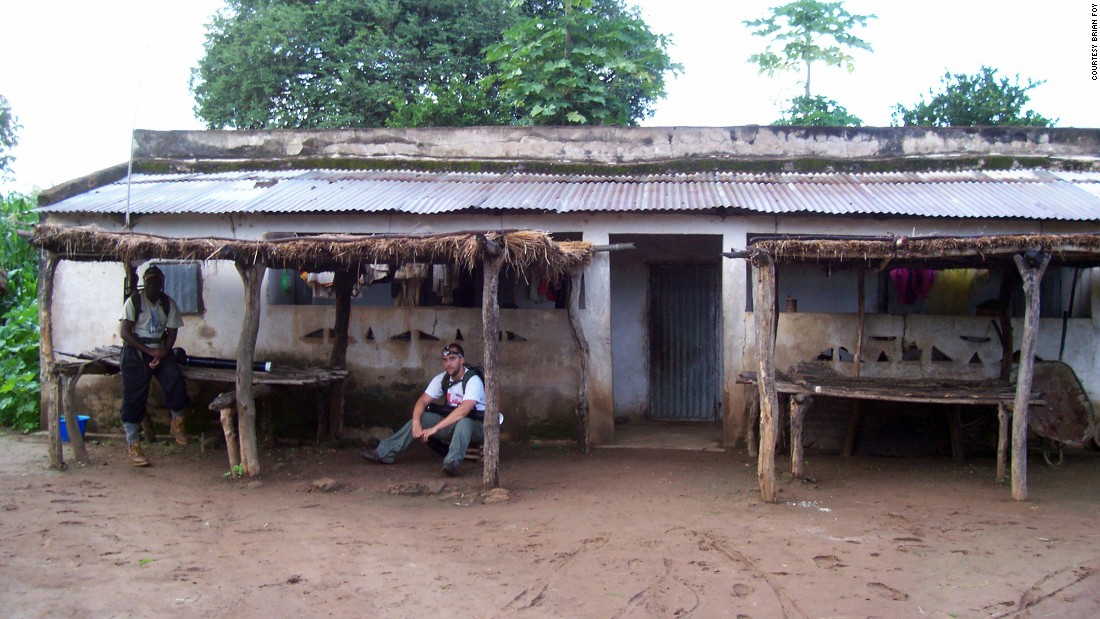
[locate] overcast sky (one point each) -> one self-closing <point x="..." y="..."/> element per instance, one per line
<point x="80" y="75"/>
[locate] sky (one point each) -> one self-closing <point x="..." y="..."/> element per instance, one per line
<point x="80" y="75"/>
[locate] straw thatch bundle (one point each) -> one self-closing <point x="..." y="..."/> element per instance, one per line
<point x="526" y="249"/>
<point x="938" y="251"/>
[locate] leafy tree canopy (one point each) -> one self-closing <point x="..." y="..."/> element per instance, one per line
<point x="803" y="32"/>
<point x="817" y="112"/>
<point x="576" y="62"/>
<point x="9" y="125"/>
<point x="979" y="99"/>
<point x="339" y="63"/>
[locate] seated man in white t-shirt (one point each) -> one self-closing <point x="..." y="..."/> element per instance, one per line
<point x="459" y="422"/>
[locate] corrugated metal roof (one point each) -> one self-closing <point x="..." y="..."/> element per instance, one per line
<point x="1027" y="194"/>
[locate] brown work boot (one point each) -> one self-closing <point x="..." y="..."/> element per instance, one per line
<point x="178" y="432"/>
<point x="137" y="456"/>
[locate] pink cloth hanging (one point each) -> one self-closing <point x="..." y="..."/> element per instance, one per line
<point x="912" y="284"/>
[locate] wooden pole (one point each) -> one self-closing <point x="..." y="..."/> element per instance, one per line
<point x="764" y="295"/>
<point x="1002" y="439"/>
<point x="1032" y="275"/>
<point x="857" y="369"/>
<point x="252" y="275"/>
<point x="577" y="329"/>
<point x="50" y="382"/>
<point x="494" y="252"/>
<point x="800" y="403"/>
<point x="1004" y="319"/>
<point x="342" y="285"/>
<point x="72" y="417"/>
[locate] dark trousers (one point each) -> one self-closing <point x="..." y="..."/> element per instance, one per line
<point x="136" y="375"/>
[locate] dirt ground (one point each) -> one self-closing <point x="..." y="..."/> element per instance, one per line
<point x="620" y="533"/>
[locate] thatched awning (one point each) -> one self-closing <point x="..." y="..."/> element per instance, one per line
<point x="943" y="252"/>
<point x="527" y="249"/>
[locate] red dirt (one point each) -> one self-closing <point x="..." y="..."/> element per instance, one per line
<point x="620" y="533"/>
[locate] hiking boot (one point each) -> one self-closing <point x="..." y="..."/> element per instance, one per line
<point x="137" y="456"/>
<point x="178" y="431"/>
<point x="373" y="456"/>
<point x="450" y="470"/>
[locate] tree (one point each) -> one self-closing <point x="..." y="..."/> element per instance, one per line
<point x="804" y="32"/>
<point x="817" y="112"/>
<point x="9" y="125"/>
<point x="979" y="99"/>
<point x="339" y="63"/>
<point x="578" y="62"/>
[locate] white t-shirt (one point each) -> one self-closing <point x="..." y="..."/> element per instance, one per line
<point x="152" y="323"/>
<point x="475" y="390"/>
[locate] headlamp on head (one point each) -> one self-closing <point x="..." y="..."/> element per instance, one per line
<point x="448" y="352"/>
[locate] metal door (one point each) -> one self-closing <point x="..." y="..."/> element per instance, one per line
<point x="684" y="343"/>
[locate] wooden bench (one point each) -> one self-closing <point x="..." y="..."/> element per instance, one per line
<point x="105" y="360"/>
<point x="803" y="387"/>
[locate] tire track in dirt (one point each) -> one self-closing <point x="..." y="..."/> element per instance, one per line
<point x="789" y="607"/>
<point x="1062" y="586"/>
<point x="533" y="594"/>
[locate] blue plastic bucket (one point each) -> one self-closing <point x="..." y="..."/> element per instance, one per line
<point x="81" y="420"/>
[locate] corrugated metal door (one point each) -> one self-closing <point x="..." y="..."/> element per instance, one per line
<point x="684" y="345"/>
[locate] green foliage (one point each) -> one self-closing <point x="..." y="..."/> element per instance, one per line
<point x="803" y="32"/>
<point x="9" y="124"/>
<point x="969" y="100"/>
<point x="340" y="63"/>
<point x="19" y="388"/>
<point x="455" y="104"/>
<point x="817" y="112"/>
<point x="580" y="62"/>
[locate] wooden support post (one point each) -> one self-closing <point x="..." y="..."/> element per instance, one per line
<point x="320" y="402"/>
<point x="800" y="403"/>
<point x="148" y="430"/>
<point x="342" y="285"/>
<point x="72" y="418"/>
<point x="577" y="329"/>
<point x="252" y="275"/>
<point x="232" y="442"/>
<point x="226" y="405"/>
<point x="854" y="413"/>
<point x="1002" y="439"/>
<point x="46" y="358"/>
<point x="1009" y="280"/>
<point x="764" y="316"/>
<point x="493" y="252"/>
<point x="853" y="430"/>
<point x="1031" y="267"/>
<point x="752" y="406"/>
<point x="956" y="435"/>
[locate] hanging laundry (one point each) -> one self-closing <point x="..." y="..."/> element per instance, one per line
<point x="411" y="277"/>
<point x="319" y="283"/>
<point x="951" y="293"/>
<point x="912" y="284"/>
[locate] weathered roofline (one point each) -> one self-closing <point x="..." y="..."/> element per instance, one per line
<point x="605" y="150"/>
